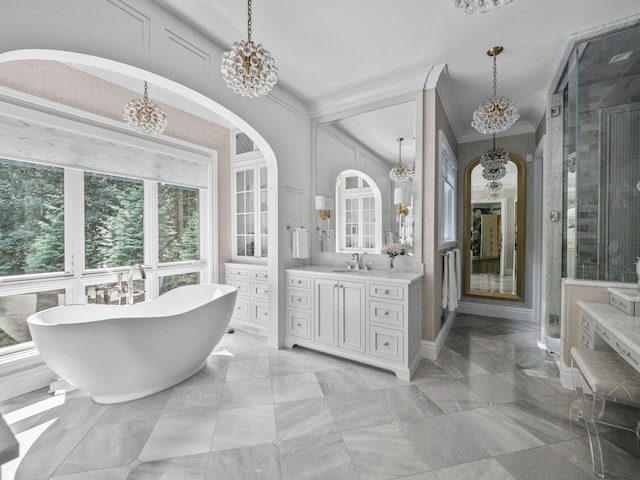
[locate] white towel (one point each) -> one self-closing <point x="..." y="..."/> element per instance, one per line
<point x="445" y="282"/>
<point x="300" y="247"/>
<point x="458" y="271"/>
<point x="453" y="281"/>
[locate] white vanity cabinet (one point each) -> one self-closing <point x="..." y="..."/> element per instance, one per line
<point x="367" y="317"/>
<point x="340" y="313"/>
<point x="252" y="302"/>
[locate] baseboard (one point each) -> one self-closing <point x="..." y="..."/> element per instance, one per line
<point x="430" y="350"/>
<point x="510" y="313"/>
<point x="25" y="381"/>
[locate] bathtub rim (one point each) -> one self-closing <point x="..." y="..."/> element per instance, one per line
<point x="126" y="311"/>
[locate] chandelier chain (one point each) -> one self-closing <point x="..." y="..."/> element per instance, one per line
<point x="249" y="20"/>
<point x="495" y="77"/>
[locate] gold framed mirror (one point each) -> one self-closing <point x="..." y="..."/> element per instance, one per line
<point x="494" y="233"/>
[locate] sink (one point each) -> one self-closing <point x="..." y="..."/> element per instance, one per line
<point x="349" y="270"/>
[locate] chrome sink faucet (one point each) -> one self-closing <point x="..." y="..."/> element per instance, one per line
<point x="358" y="257"/>
<point x="143" y="276"/>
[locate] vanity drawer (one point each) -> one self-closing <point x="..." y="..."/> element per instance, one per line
<point x="260" y="275"/>
<point x="260" y="290"/>
<point x="298" y="323"/>
<point x="241" y="310"/>
<point x="586" y="341"/>
<point x="386" y="343"/>
<point x="260" y="312"/>
<point x="632" y="357"/>
<point x="244" y="287"/>
<point x="298" y="281"/>
<point x="387" y="313"/>
<point x="625" y="305"/>
<point x="239" y="272"/>
<point x="299" y="298"/>
<point x="390" y="292"/>
<point x="587" y="323"/>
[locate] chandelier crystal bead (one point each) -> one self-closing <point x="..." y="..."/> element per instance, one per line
<point x="493" y="188"/>
<point x="142" y="115"/>
<point x="249" y="69"/>
<point x="498" y="113"/>
<point x="494" y="162"/>
<point x="401" y="173"/>
<point x="482" y="6"/>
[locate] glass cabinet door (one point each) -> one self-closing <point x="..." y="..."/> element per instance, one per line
<point x="251" y="212"/>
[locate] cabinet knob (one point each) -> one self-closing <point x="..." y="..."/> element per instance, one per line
<point x="265" y="314"/>
<point x="386" y="313"/>
<point x="386" y="344"/>
<point x="299" y="299"/>
<point x="299" y="324"/>
<point x="386" y="292"/>
<point x="299" y="281"/>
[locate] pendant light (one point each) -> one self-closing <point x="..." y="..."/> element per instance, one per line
<point x="401" y="173"/>
<point x="142" y="115"/>
<point x="249" y="69"/>
<point x="498" y="113"/>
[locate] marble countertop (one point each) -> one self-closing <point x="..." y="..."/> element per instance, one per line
<point x="625" y="327"/>
<point x="389" y="275"/>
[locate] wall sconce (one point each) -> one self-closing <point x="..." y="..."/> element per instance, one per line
<point x="321" y="207"/>
<point x="399" y="198"/>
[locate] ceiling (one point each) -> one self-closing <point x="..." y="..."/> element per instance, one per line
<point x="326" y="48"/>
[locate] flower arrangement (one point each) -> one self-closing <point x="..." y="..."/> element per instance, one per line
<point x="393" y="250"/>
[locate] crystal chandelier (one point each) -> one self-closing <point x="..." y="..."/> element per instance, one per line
<point x="493" y="188"/>
<point x="470" y="6"/>
<point x="247" y="68"/>
<point x="498" y="113"/>
<point x="142" y="115"/>
<point x="401" y="173"/>
<point x="494" y="162"/>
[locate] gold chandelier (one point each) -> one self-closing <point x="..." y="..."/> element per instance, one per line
<point x="401" y="173"/>
<point x="142" y="115"/>
<point x="249" y="69"/>
<point x="498" y="113"/>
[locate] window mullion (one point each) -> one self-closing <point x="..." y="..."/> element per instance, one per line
<point x="151" y="249"/>
<point x="74" y="231"/>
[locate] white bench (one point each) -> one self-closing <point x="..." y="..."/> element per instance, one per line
<point x="609" y="377"/>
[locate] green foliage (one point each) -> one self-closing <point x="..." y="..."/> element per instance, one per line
<point x="31" y="200"/>
<point x="114" y="229"/>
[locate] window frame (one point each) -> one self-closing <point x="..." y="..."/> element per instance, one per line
<point x="447" y="213"/>
<point x="75" y="277"/>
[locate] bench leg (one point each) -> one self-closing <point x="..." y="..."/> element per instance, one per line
<point x="590" y="411"/>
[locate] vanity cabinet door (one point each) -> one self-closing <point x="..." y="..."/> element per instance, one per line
<point x="326" y="318"/>
<point x="351" y="308"/>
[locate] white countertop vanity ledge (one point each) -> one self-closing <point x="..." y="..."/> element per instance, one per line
<point x="623" y="326"/>
<point x="395" y="275"/>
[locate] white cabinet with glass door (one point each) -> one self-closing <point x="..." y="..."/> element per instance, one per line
<point x="251" y="210"/>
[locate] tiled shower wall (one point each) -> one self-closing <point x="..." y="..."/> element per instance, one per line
<point x="608" y="148"/>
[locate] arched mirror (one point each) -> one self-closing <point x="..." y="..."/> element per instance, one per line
<point x="358" y="213"/>
<point x="494" y="232"/>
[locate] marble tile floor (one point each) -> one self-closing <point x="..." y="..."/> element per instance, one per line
<point x="491" y="407"/>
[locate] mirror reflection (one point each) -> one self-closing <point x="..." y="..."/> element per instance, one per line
<point x="358" y="207"/>
<point x="494" y="226"/>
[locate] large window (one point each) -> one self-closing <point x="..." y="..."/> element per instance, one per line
<point x="113" y="221"/>
<point x="179" y="224"/>
<point x="32" y="219"/>
<point x="448" y="193"/>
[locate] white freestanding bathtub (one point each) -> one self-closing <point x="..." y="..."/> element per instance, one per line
<point x="119" y="353"/>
